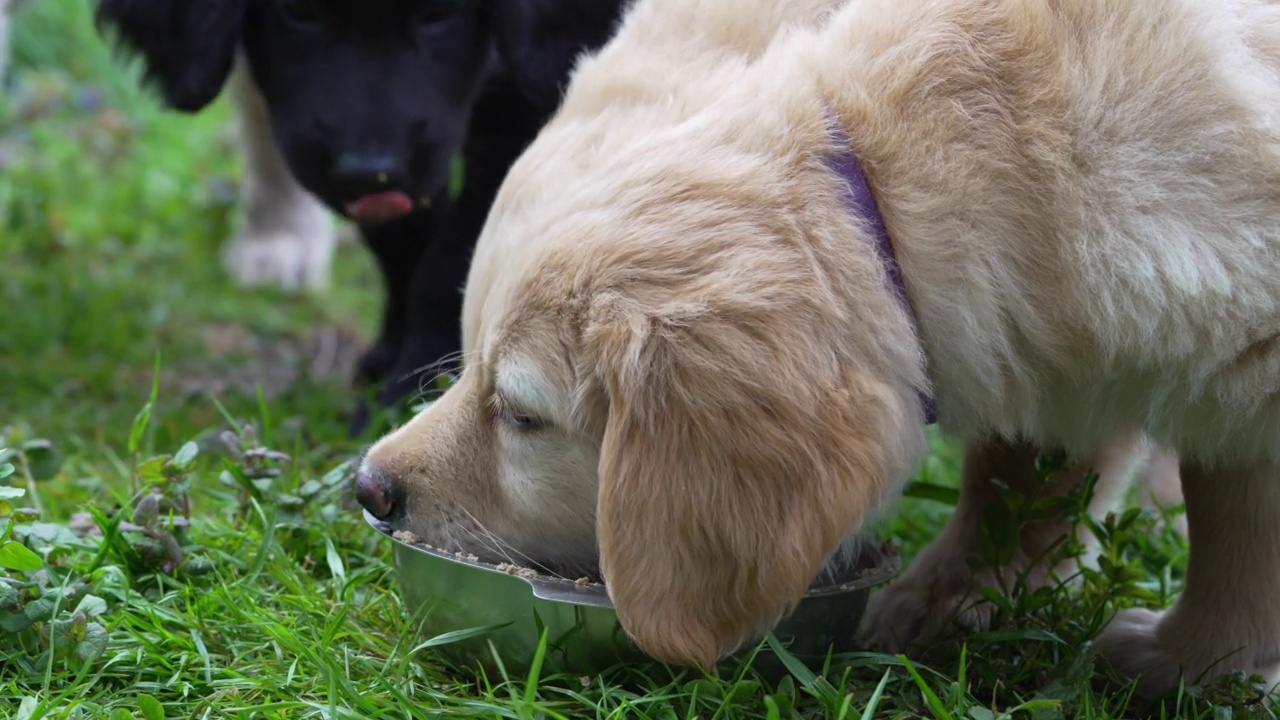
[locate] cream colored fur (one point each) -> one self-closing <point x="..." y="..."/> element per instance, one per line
<point x="286" y="236"/>
<point x="683" y="355"/>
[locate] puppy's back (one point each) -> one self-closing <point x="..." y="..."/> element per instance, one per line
<point x="674" y="53"/>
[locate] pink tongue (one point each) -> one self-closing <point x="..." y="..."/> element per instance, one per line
<point x="381" y="206"/>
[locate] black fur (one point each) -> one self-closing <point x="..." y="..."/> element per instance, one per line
<point x="396" y="86"/>
<point x="188" y="46"/>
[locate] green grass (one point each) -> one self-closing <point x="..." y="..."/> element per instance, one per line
<point x="276" y="601"/>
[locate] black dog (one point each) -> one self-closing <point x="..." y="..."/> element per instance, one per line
<point x="370" y="101"/>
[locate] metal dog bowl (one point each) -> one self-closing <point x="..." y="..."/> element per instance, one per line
<point x="471" y="610"/>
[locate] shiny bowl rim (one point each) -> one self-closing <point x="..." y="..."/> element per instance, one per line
<point x="569" y="592"/>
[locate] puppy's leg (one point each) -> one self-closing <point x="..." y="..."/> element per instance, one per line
<point x="433" y="335"/>
<point x="938" y="589"/>
<point x="1158" y="484"/>
<point x="397" y="246"/>
<point x="286" y="236"/>
<point x="1228" y="616"/>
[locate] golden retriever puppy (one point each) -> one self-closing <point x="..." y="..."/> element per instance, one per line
<point x="718" y="298"/>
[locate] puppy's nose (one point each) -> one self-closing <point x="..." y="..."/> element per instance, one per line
<point x="376" y="493"/>
<point x="368" y="172"/>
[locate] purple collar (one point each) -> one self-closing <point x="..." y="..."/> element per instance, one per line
<point x="861" y="202"/>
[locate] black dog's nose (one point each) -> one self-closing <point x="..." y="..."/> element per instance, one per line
<point x="368" y="172"/>
<point x="375" y="493"/>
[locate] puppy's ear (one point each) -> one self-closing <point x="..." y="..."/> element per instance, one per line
<point x="735" y="460"/>
<point x="540" y="40"/>
<point x="188" y="47"/>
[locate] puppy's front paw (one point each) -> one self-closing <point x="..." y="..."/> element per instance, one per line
<point x="283" y="259"/>
<point x="1131" y="645"/>
<point x="933" y="596"/>
<point x="1158" y="648"/>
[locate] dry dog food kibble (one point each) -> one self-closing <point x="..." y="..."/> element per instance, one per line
<point x="406" y="537"/>
<point x="524" y="572"/>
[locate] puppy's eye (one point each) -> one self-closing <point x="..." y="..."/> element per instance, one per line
<point x="513" y="419"/>
<point x="302" y="12"/>
<point x="522" y="423"/>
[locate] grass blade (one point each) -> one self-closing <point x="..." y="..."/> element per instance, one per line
<point x="930" y="697"/>
<point x="873" y="702"/>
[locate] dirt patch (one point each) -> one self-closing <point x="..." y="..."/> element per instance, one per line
<point x="238" y="360"/>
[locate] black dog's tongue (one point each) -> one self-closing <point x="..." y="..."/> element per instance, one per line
<point x="380" y="207"/>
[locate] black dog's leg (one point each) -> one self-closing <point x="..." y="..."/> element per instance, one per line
<point x="397" y="246"/>
<point x="503" y="123"/>
<point x="432" y="340"/>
